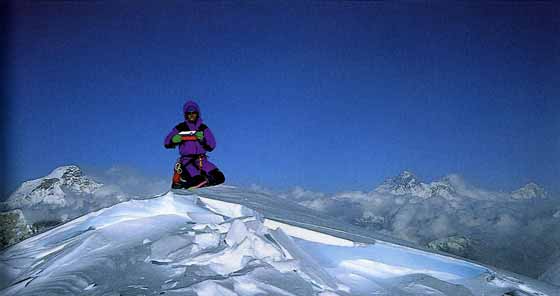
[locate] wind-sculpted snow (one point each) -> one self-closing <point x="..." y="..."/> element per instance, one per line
<point x="225" y="241"/>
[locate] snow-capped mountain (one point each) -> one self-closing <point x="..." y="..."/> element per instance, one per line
<point x="452" y="187"/>
<point x="57" y="189"/>
<point x="449" y="187"/>
<point x="405" y="184"/>
<point x="63" y="194"/>
<point x="227" y="241"/>
<point x="529" y="191"/>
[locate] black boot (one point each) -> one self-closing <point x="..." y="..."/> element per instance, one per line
<point x="176" y="185"/>
<point x="196" y="181"/>
<point x="215" y="177"/>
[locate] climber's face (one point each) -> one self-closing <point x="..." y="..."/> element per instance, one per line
<point x="191" y="116"/>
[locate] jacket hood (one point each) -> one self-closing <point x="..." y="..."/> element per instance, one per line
<point x="190" y="105"/>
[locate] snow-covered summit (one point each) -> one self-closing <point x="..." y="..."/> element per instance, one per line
<point x="211" y="242"/>
<point x="529" y="191"/>
<point x="452" y="188"/>
<point x="53" y="189"/>
<point x="408" y="184"/>
<point x="405" y="183"/>
<point x="65" y="172"/>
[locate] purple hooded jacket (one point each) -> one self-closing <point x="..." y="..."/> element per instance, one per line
<point x="188" y="148"/>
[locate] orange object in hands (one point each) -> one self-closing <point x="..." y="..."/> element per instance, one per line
<point x="188" y="135"/>
<point x="188" y="138"/>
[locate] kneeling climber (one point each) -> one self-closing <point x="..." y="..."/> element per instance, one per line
<point x="194" y="138"/>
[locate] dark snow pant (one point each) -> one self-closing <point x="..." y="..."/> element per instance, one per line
<point x="214" y="177"/>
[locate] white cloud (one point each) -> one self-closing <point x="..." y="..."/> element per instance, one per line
<point x="129" y="180"/>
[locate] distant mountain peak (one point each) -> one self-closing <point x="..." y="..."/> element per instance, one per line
<point x="529" y="191"/>
<point x="443" y="189"/>
<point x="67" y="171"/>
<point x="405" y="178"/>
<point x="52" y="188"/>
<point x="407" y="175"/>
<point x="405" y="183"/>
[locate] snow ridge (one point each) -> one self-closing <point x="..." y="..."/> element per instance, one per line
<point x="201" y="244"/>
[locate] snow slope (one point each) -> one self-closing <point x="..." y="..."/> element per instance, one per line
<point x="226" y="241"/>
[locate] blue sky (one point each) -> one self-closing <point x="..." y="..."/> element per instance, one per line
<point x="329" y="96"/>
